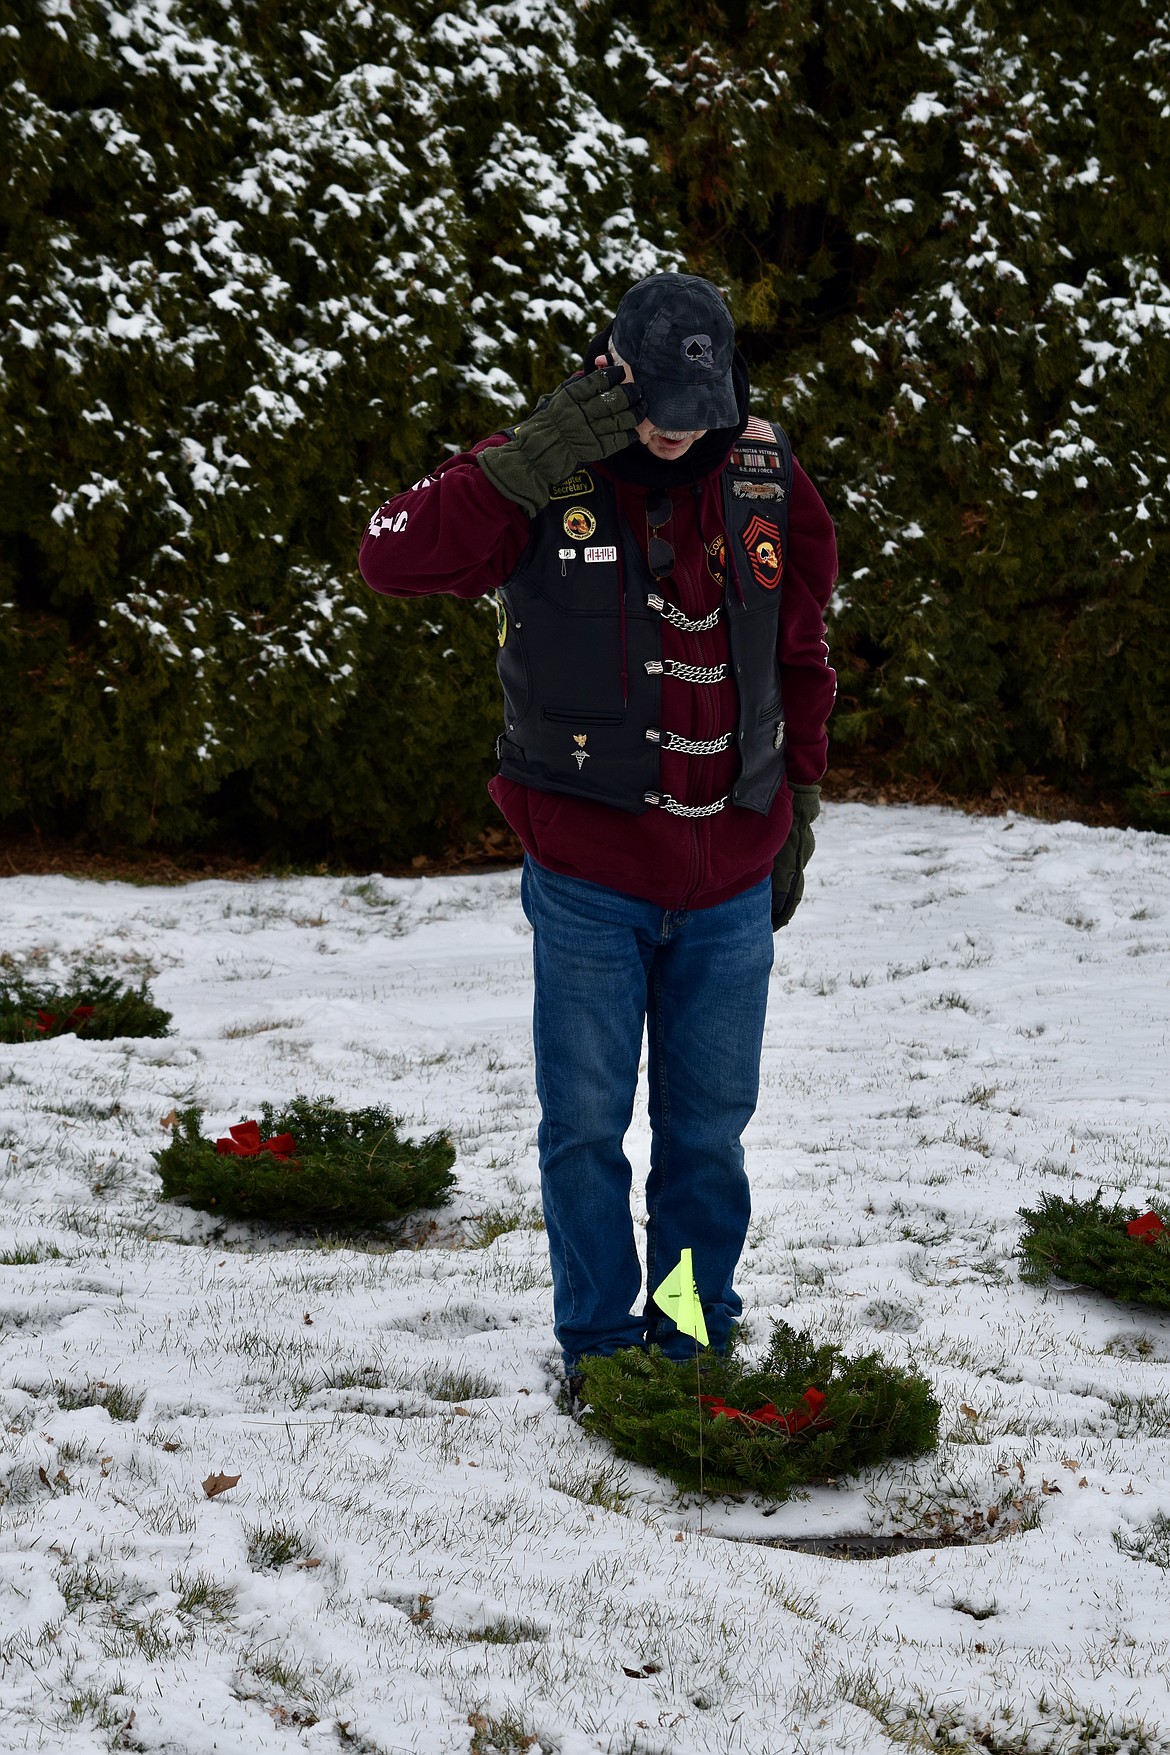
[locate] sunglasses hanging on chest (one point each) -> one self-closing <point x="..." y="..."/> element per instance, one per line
<point x="660" y="558"/>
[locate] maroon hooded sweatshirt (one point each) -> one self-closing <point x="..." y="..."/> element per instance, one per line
<point x="454" y="532"/>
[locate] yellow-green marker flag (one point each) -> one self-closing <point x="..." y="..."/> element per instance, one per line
<point x="678" y="1298"/>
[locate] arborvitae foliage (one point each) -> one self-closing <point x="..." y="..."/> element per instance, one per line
<point x="646" y="1406"/>
<point x="945" y="230"/>
<point x="261" y="267"/>
<point x="36" y="1011"/>
<point x="348" y="1167"/>
<point x="1086" y="1242"/>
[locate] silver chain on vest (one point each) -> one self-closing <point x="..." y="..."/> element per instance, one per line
<point x="665" y="802"/>
<point x="690" y="746"/>
<point x="684" y="623"/>
<point x="692" y="673"/>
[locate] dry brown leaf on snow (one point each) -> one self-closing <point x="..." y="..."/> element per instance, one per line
<point x="170" y="1121"/>
<point x="305" y="1565"/>
<point x="216" y="1484"/>
<point x="968" y="1412"/>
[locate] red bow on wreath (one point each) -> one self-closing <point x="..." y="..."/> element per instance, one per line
<point x="806" y="1413"/>
<point x="1148" y="1226"/>
<point x="245" y="1142"/>
<point x="50" y="1021"/>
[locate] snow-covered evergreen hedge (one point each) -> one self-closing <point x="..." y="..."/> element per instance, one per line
<point x="946" y="227"/>
<point x="261" y="266"/>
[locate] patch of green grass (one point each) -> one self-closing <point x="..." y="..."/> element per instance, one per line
<point x="1149" y="1541"/>
<point x="1140" y="1416"/>
<point x="606" y="1487"/>
<point x="507" y="1631"/>
<point x="280" y="1672"/>
<point x="149" y="1639"/>
<point x="203" y="1598"/>
<point x="104" y="1709"/>
<point x="1066" y="1725"/>
<point x="275" y="1546"/>
<point x="119" y="1402"/>
<point x="457" y="1385"/>
<point x="80" y="1585"/>
<point x="951" y="1002"/>
<point x="500" y="1221"/>
<point x="501" y="1736"/>
<point x="28" y="1254"/>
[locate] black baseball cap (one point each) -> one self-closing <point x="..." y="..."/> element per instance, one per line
<point x="675" y="333"/>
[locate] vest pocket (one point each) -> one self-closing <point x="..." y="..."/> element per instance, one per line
<point x="560" y="717"/>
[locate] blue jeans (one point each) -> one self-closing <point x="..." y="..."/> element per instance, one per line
<point x="605" y="966"/>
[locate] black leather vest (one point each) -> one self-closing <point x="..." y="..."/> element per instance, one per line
<point x="582" y="682"/>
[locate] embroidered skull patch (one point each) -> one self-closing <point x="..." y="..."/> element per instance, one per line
<point x="761" y="539"/>
<point x="697" y="350"/>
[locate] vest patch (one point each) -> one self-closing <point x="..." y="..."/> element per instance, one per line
<point x="757" y="490"/>
<point x="601" y="553"/>
<point x="579" y="522"/>
<point x="761" y="539"/>
<point x="573" y="486"/>
<point x="717" y="559"/>
<point x="764" y="461"/>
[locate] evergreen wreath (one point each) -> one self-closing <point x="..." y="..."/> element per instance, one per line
<point x="97" y="1007"/>
<point x="1118" y="1250"/>
<point x="806" y="1413"/>
<point x="309" y="1163"/>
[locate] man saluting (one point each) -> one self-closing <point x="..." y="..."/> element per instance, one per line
<point x="662" y="565"/>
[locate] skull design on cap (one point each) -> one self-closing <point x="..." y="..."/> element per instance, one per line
<point x="697" y="351"/>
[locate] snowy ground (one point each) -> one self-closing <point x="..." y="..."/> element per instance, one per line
<point x="422" y="1553"/>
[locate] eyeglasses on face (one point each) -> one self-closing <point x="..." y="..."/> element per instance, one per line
<point x="659" y="552"/>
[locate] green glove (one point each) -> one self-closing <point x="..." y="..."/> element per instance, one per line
<point x="788" y="871"/>
<point x="584" y="420"/>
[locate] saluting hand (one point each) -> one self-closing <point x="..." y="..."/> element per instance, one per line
<point x="583" y="421"/>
